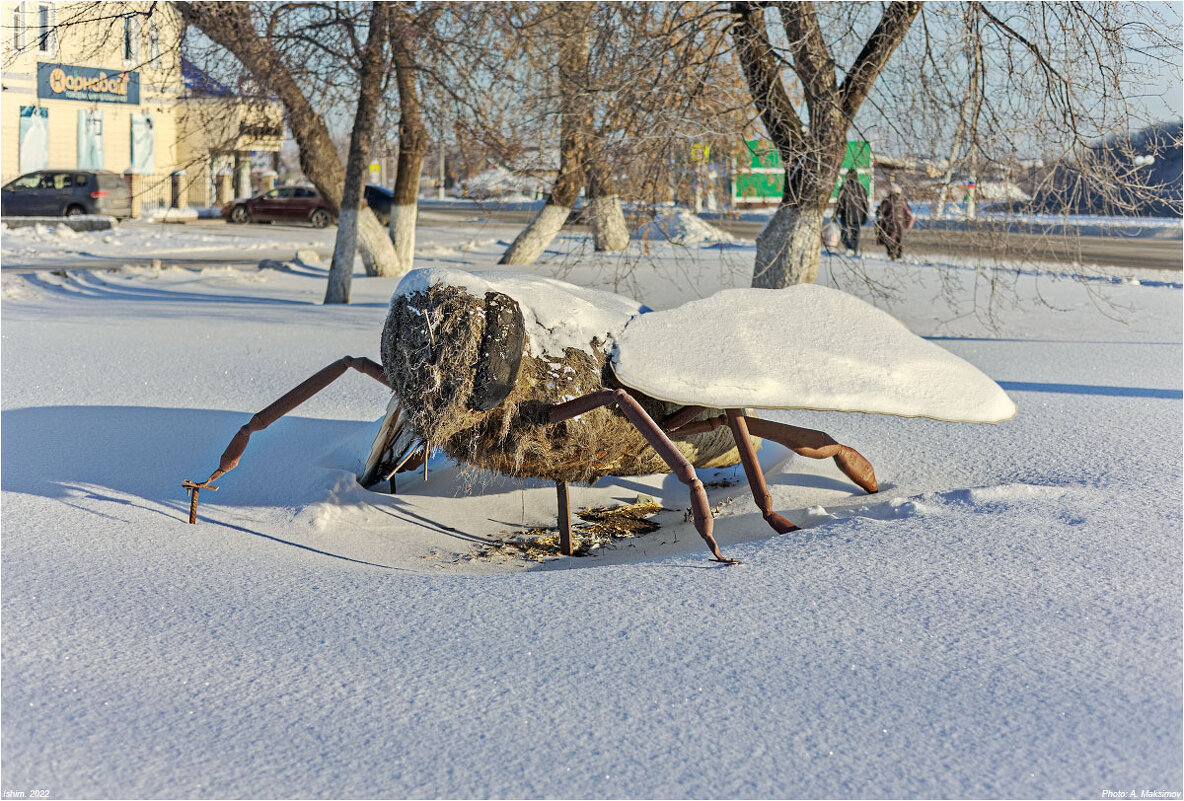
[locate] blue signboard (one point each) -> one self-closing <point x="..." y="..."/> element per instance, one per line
<point x="91" y="84"/>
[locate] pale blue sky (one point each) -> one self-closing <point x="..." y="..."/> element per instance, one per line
<point x="1164" y="98"/>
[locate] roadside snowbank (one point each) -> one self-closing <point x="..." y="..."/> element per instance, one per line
<point x="681" y="227"/>
<point x="55" y="245"/>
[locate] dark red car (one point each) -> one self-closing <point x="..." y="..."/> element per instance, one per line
<point x="282" y="204"/>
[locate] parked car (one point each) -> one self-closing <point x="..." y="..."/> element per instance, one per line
<point x="300" y="204"/>
<point x="379" y="199"/>
<point x="66" y="193"/>
<point x="282" y="204"/>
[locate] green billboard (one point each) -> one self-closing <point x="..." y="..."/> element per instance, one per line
<point x="762" y="154"/>
<point x="762" y="180"/>
<point x="859" y="158"/>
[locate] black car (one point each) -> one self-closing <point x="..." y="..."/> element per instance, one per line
<point x="379" y="199"/>
<point x="66" y="193"/>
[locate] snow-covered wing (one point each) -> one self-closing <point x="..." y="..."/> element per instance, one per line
<point x="557" y="315"/>
<point x="803" y="347"/>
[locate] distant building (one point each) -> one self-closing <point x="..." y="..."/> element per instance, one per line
<point x="103" y="86"/>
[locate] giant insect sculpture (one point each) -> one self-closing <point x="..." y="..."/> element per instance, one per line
<point x="534" y="377"/>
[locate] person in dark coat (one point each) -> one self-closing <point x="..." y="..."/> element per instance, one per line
<point x="851" y="210"/>
<point x="893" y="217"/>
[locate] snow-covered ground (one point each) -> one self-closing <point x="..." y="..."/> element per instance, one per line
<point x="60" y="247"/>
<point x="1003" y="619"/>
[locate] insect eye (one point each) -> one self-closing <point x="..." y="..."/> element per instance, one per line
<point x="500" y="356"/>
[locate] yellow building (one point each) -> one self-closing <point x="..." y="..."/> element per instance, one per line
<point x="104" y="86"/>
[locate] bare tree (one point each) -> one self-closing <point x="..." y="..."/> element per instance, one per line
<point x="571" y="25"/>
<point x="637" y="85"/>
<point x="246" y="32"/>
<point x="369" y="93"/>
<point x="609" y="231"/>
<point x="787" y="250"/>
<point x="673" y="93"/>
<point x="406" y="36"/>
<point x="972" y="95"/>
<point x="1056" y="84"/>
<point x="985" y="83"/>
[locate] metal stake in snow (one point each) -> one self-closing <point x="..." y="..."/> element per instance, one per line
<point x="193" y="489"/>
<point x="565" y="544"/>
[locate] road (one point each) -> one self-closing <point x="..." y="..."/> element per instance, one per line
<point x="1086" y="250"/>
<point x="1156" y="254"/>
<point x="1093" y="250"/>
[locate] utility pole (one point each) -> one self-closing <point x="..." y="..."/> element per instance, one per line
<point x="440" y="179"/>
<point x="392" y="179"/>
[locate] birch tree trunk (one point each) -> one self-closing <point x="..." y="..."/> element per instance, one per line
<point x="948" y="176"/>
<point x="232" y="26"/>
<point x="976" y="110"/>
<point x="413" y="145"/>
<point x="972" y="93"/>
<point x="787" y="248"/>
<point x="609" y="231"/>
<point x="574" y="28"/>
<point x="341" y="269"/>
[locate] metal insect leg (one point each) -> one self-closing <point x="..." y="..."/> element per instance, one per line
<point x="700" y="509"/>
<point x="818" y="445"/>
<point x="275" y="411"/>
<point x="756" y="476"/>
<point x="802" y="441"/>
<point x="566" y="546"/>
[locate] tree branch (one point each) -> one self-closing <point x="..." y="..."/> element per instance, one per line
<point x="894" y="24"/>
<point x="813" y="63"/>
<point x="231" y="26"/>
<point x="761" y="72"/>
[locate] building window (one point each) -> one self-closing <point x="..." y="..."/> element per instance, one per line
<point x="153" y="42"/>
<point x="46" y="35"/>
<point x="143" y="144"/>
<point x="90" y="139"/>
<point x="34" y="141"/>
<point x="18" y="28"/>
<point x="131" y="36"/>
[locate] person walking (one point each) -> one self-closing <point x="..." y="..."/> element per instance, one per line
<point x="851" y="211"/>
<point x="893" y="217"/>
